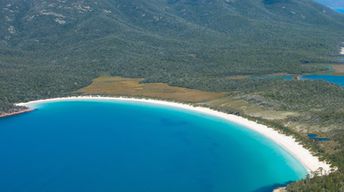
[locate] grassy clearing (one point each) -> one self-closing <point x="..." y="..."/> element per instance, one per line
<point x="118" y="86"/>
<point x="250" y="109"/>
<point x="338" y="69"/>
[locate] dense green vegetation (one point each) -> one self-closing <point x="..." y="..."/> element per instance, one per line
<point x="53" y="48"/>
<point x="333" y="182"/>
<point x="156" y="39"/>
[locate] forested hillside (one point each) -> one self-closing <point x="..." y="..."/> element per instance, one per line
<point x="52" y="48"/>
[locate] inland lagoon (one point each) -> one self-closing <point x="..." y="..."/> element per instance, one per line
<point x="333" y="79"/>
<point x="127" y="146"/>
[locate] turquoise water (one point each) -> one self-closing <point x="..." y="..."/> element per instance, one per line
<point x="334" y="79"/>
<point x="135" y="147"/>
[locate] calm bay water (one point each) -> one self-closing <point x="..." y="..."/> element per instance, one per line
<point x="133" y="147"/>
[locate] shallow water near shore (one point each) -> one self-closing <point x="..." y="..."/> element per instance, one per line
<point x="131" y="146"/>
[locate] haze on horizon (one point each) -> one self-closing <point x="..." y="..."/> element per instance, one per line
<point x="333" y="4"/>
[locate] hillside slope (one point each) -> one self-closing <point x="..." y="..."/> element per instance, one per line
<point x="54" y="47"/>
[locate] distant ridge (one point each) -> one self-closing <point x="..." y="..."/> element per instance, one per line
<point x="333" y="4"/>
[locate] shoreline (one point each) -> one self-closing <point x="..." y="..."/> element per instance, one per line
<point x="310" y="162"/>
<point x="342" y="51"/>
<point x="16" y="113"/>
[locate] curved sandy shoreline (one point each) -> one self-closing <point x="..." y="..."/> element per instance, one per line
<point x="303" y="155"/>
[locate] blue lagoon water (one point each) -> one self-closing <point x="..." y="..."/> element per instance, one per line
<point x="334" y="79"/>
<point x="135" y="147"/>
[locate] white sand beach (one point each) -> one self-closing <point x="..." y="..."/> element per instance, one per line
<point x="309" y="161"/>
